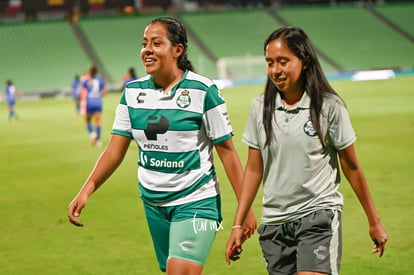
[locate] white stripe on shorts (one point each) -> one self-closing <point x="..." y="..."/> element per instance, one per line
<point x="335" y="243"/>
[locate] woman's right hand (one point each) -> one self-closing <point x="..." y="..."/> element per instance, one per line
<point x="234" y="244"/>
<point x="75" y="209"/>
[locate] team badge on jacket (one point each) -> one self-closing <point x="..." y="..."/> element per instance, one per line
<point x="184" y="99"/>
<point x="309" y="129"/>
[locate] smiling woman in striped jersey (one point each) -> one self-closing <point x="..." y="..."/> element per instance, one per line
<point x="176" y="117"/>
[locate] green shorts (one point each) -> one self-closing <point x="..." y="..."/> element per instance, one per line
<point x="184" y="231"/>
<point x="311" y="243"/>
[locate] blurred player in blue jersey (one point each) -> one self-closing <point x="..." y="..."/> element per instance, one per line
<point x="11" y="95"/>
<point x="76" y="90"/>
<point x="176" y="117"/>
<point x="95" y="90"/>
<point x="128" y="77"/>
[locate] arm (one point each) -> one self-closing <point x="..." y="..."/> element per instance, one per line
<point x="105" y="91"/>
<point x="107" y="163"/>
<point x="252" y="178"/>
<point x="18" y="94"/>
<point x="355" y="176"/>
<point x="234" y="171"/>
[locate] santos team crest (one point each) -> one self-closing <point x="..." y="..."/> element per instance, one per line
<point x="184" y="100"/>
<point x="309" y="129"/>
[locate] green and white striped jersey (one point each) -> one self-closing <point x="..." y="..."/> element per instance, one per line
<point x="175" y="134"/>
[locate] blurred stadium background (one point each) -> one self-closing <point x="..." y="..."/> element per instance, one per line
<point x="45" y="43"/>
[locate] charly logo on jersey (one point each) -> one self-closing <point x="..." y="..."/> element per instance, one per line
<point x="140" y="97"/>
<point x="309" y="129"/>
<point x="184" y="99"/>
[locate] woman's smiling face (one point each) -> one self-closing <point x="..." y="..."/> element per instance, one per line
<point x="157" y="53"/>
<point x="284" y="68"/>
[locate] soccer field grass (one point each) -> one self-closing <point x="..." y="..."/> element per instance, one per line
<point x="46" y="156"/>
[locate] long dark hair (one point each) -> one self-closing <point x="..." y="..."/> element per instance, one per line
<point x="315" y="82"/>
<point x="177" y="34"/>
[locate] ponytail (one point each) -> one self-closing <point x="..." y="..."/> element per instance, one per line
<point x="177" y="34"/>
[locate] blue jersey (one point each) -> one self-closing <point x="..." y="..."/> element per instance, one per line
<point x="76" y="88"/>
<point x="10" y="94"/>
<point x="94" y="92"/>
<point x="129" y="80"/>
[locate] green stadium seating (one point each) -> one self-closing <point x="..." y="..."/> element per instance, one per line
<point x="45" y="55"/>
<point x="400" y="14"/>
<point x="352" y="36"/>
<point x="232" y="33"/>
<point x="40" y="56"/>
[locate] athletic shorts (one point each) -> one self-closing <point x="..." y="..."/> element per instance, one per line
<point x="11" y="102"/>
<point x="93" y="107"/>
<point x="184" y="231"/>
<point x="312" y="243"/>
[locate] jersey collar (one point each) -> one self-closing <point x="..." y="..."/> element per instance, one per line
<point x="304" y="103"/>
